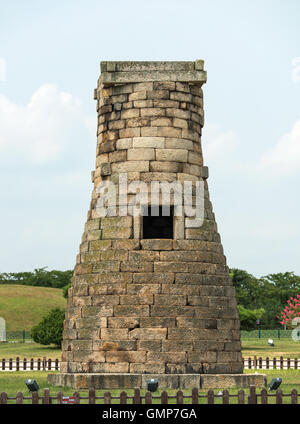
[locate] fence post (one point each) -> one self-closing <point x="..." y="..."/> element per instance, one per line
<point x="267" y="363"/>
<point x="60" y="396"/>
<point x="281" y="362"/>
<point x="3" y="364"/>
<point x="296" y="363"/>
<point x="77" y="397"/>
<point x="294" y="396"/>
<point x="10" y="364"/>
<point x="148" y="398"/>
<point x="210" y="397"/>
<point x="195" y="396"/>
<point x="241" y="397"/>
<point x="164" y="397"/>
<point x="49" y="364"/>
<point x="274" y="364"/>
<point x="264" y="396"/>
<point x="46" y="397"/>
<point x="35" y="398"/>
<point x="252" y="398"/>
<point x="288" y="363"/>
<point x="225" y="397"/>
<point x="260" y="362"/>
<point x="24" y="364"/>
<point x="31" y="364"/>
<point x="19" y="398"/>
<point x="278" y="397"/>
<point x="39" y="364"/>
<point x="92" y="396"/>
<point x="255" y="362"/>
<point x="137" y="396"/>
<point x="107" y="398"/>
<point x="249" y="364"/>
<point x="44" y="363"/>
<point x="3" y="398"/>
<point x="123" y="398"/>
<point x="56" y="364"/>
<point x="17" y="363"/>
<point x="179" y="397"/>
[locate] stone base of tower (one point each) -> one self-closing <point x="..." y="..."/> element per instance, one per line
<point x="165" y="381"/>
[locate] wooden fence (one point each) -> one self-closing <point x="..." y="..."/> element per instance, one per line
<point x="271" y="363"/>
<point x="254" y="397"/>
<point x="44" y="364"/>
<point x="17" y="364"/>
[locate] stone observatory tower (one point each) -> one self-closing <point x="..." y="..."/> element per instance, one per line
<point x="151" y="294"/>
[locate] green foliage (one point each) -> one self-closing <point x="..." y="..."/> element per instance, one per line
<point x="269" y="292"/>
<point x="50" y="329"/>
<point x="65" y="290"/>
<point x="248" y="317"/>
<point x="39" y="277"/>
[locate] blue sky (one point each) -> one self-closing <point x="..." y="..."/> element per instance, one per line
<point x="49" y="64"/>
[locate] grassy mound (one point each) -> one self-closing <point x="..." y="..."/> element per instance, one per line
<point x="24" y="306"/>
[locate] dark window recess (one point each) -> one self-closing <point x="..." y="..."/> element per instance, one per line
<point x="158" y="227"/>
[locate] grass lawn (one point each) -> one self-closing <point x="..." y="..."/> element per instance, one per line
<point x="259" y="347"/>
<point x="24" y="306"/>
<point x="11" y="383"/>
<point x="28" y="351"/>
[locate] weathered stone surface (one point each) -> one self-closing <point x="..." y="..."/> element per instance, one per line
<point x="145" y="306"/>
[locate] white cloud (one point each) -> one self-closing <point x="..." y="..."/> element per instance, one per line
<point x="284" y="158"/>
<point x="42" y="130"/>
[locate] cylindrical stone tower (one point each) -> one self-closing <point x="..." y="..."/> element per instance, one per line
<point x="151" y="296"/>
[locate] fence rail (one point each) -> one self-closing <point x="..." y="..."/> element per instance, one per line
<point x="44" y="364"/>
<point x="271" y="363"/>
<point x="25" y="364"/>
<point x="262" y="397"/>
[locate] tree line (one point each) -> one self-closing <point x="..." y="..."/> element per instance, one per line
<point x="263" y="298"/>
<point x="258" y="298"/>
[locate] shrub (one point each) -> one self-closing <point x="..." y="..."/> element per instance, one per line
<point x="50" y="329"/>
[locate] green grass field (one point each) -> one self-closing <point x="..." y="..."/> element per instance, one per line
<point x="259" y="347"/>
<point x="11" y="383"/>
<point x="24" y="306"/>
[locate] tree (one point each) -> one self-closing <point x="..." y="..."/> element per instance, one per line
<point x="248" y="317"/>
<point x="290" y="311"/>
<point x="50" y="329"/>
<point x="65" y="290"/>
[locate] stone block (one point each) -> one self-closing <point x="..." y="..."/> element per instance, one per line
<point x="159" y="322"/>
<point x="116" y="233"/>
<point x="130" y="132"/>
<point x="148" y="333"/>
<point x="140" y="154"/>
<point x="169" y="132"/>
<point x="177" y="155"/>
<point x="157" y="244"/>
<point x="118" y="156"/>
<point x="131" y="311"/>
<point x="164" y="166"/>
<point x="123" y="322"/>
<point x="130" y="166"/>
<point x="148" y="142"/>
<point x="126" y="356"/>
<point x="147" y="368"/>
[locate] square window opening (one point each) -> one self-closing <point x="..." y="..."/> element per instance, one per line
<point x="158" y="227"/>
